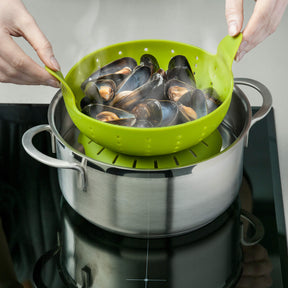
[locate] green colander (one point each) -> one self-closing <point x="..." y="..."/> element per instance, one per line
<point x="210" y="71"/>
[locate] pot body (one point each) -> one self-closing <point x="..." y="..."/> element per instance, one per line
<point x="153" y="203"/>
<point x="150" y="203"/>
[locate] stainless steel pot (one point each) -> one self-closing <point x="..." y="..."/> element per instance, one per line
<point x="154" y="202"/>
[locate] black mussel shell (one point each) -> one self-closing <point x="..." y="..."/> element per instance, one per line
<point x="212" y="99"/>
<point x="150" y="61"/>
<point x="121" y="66"/>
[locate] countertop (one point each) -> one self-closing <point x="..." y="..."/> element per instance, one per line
<point x="76" y="28"/>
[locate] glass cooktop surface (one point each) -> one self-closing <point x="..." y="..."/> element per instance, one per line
<point x="32" y="217"/>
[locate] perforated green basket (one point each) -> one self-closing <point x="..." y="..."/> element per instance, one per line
<point x="210" y="71"/>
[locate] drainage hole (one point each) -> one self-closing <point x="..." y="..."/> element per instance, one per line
<point x="115" y="159"/>
<point x="100" y="151"/>
<point x="134" y="163"/>
<point x="155" y="164"/>
<point x="176" y="160"/>
<point x="205" y="143"/>
<point x="193" y="153"/>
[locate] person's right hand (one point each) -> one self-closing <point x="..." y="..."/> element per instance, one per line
<point x="16" y="66"/>
<point x="257" y="268"/>
<point x="264" y="21"/>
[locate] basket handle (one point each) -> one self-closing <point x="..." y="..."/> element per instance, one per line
<point x="228" y="48"/>
<point x="27" y="142"/>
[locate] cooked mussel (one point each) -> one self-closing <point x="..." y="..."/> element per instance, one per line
<point x="179" y="68"/>
<point x="193" y="105"/>
<point x="101" y="90"/>
<point x="109" y="114"/>
<point x="150" y="61"/>
<point x="170" y="113"/>
<point x="150" y="110"/>
<point x="175" y="89"/>
<point x="137" y="78"/>
<point x="212" y="99"/>
<point x="122" y="66"/>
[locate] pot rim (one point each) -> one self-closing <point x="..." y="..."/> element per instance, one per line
<point x="215" y="157"/>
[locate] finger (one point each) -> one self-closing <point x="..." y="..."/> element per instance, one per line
<point x="234" y="16"/>
<point x="259" y="268"/>
<point x="254" y="253"/>
<point x="263" y="22"/>
<point x="258" y="282"/>
<point x="8" y="74"/>
<point x="33" y="34"/>
<point x="20" y="63"/>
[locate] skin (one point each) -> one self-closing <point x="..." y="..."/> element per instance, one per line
<point x="265" y="19"/>
<point x="15" y="66"/>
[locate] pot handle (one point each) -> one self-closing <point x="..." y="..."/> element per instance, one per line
<point x="257" y="227"/>
<point x="27" y="142"/>
<point x="265" y="93"/>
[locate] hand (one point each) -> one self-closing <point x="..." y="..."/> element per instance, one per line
<point x="256" y="268"/>
<point x="15" y="66"/>
<point x="265" y="19"/>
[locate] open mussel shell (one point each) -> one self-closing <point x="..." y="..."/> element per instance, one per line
<point x="136" y="79"/>
<point x="150" y="110"/>
<point x="101" y="90"/>
<point x="179" y="68"/>
<point x="123" y="65"/>
<point x="212" y="99"/>
<point x="109" y="114"/>
<point x="170" y="113"/>
<point x="193" y="105"/>
<point x="150" y="61"/>
<point x="175" y="89"/>
<point x="179" y="61"/>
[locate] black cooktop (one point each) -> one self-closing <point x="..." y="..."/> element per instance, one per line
<point x="30" y="202"/>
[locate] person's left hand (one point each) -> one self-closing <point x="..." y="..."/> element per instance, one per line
<point x="15" y="65"/>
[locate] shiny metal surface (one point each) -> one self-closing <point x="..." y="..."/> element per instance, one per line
<point x="123" y="262"/>
<point x="153" y="203"/>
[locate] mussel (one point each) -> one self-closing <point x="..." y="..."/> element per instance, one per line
<point x="170" y="113"/>
<point x="212" y="99"/>
<point x="180" y="69"/>
<point x="193" y="105"/>
<point x="130" y="93"/>
<point x="150" y="110"/>
<point x="137" y="78"/>
<point x="109" y="114"/>
<point x="102" y="90"/>
<point x="175" y="89"/>
<point x="122" y="66"/>
<point x="150" y="61"/>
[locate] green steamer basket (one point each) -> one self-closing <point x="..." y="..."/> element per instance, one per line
<point x="210" y="71"/>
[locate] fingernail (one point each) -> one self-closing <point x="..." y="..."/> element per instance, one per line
<point x="55" y="63"/>
<point x="232" y="30"/>
<point x="240" y="56"/>
<point x="53" y="83"/>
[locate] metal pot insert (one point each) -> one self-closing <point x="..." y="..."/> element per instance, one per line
<point x="150" y="202"/>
